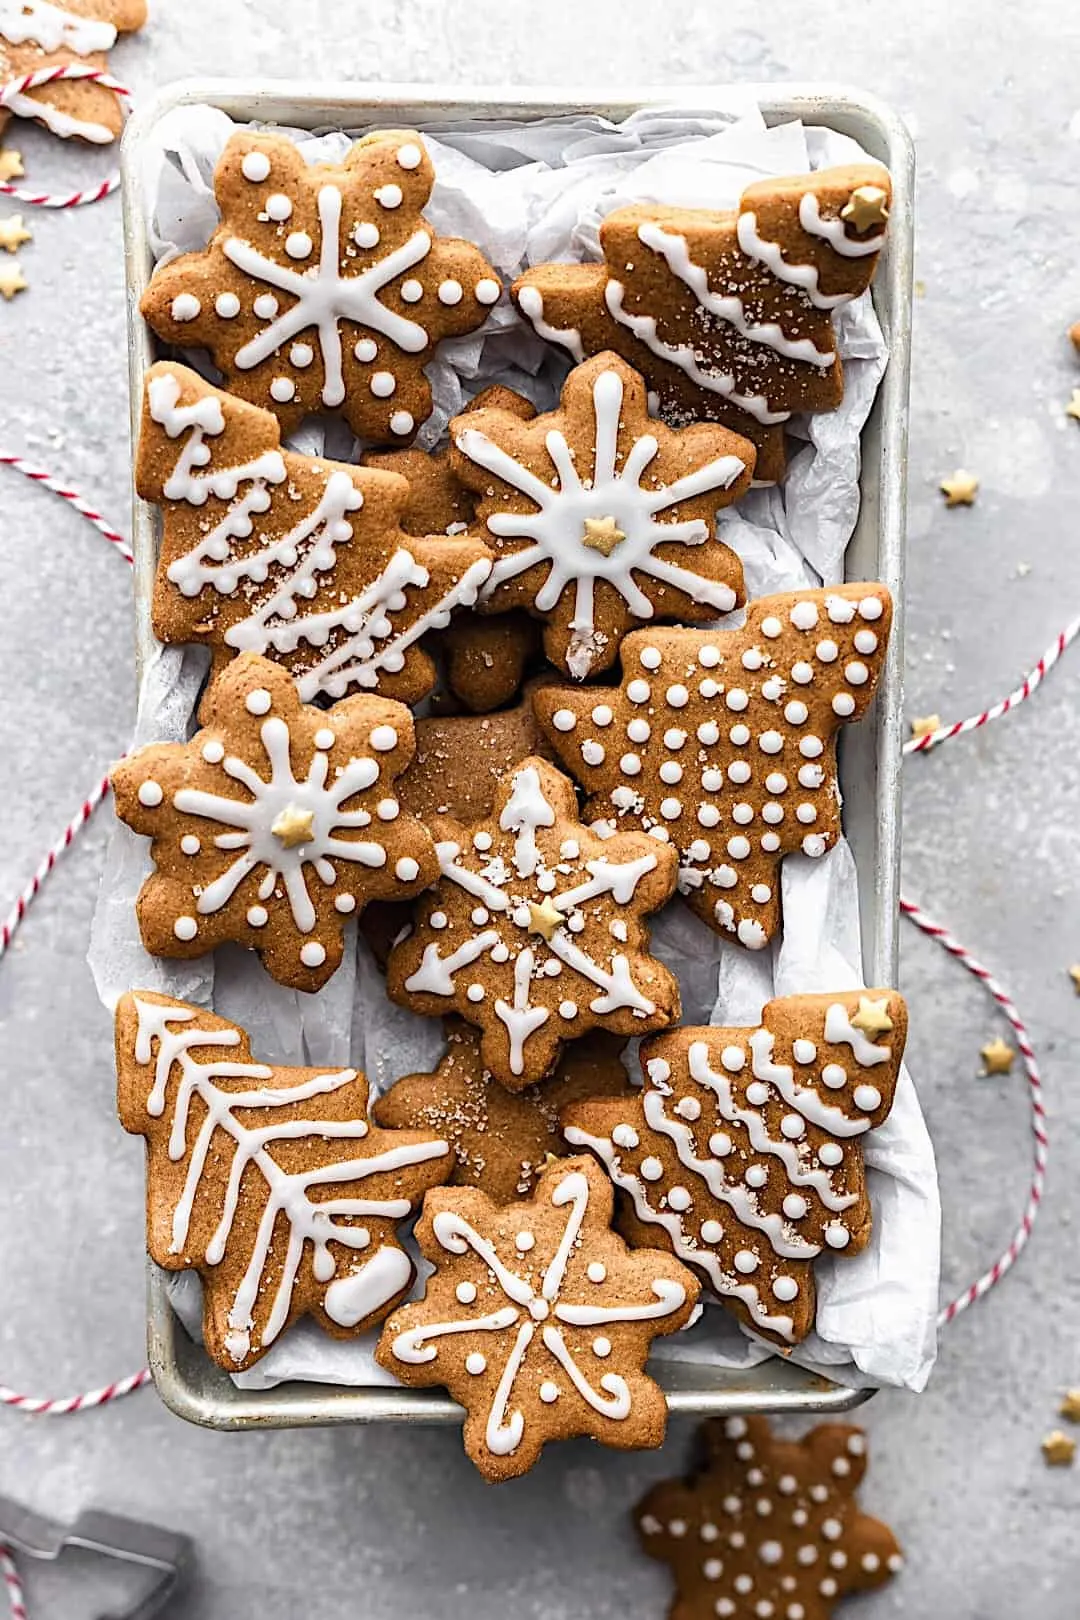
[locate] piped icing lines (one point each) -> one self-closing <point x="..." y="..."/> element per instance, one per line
<point x="324" y="289"/>
<point x="723" y="743"/>
<point x="744" y="1147"/>
<point x="769" y="1527"/>
<point x="600" y="517"/>
<point x="268" y="1181"/>
<point x="534" y="931"/>
<point x="299" y="559"/>
<point x="538" y="1319"/>
<point x="275" y="824"/>
<point x="35" y="34"/>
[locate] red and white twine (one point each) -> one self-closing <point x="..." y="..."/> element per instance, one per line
<point x="53" y="75"/>
<point x="12" y="1585"/>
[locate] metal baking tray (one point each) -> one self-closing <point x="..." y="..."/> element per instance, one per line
<point x="187" y="1381"/>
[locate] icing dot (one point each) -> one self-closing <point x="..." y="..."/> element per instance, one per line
<point x="711" y="1232"/>
<point x="401" y="423"/>
<point x="712" y="780"/>
<point x="345" y="903"/>
<point x="313" y="954"/>
<point x="699" y="850"/>
<point x="756" y="1176"/>
<point x="831" y="1153"/>
<point x="708" y="815"/>
<point x="770" y="842"/>
<point x="549" y="1392"/>
<point x="255" y="166"/>
<point x="593" y="753"/>
<point x="412" y="290"/>
<point x="487" y="291"/>
<point x="785" y="1290"/>
<point x="796" y="713"/>
<point x="867" y="1098"/>
<point x="450" y="292"/>
<point x="185" y="307"/>
<point x="407" y="869"/>
<point x="738" y="848"/>
<point x="865" y="642"/>
<point x="382" y="384"/>
<point x="737" y="698"/>
<point x="283" y="389"/>
<point x="770" y="1552"/>
<point x="804" y="615"/>
<point x="466" y="1292"/>
<point x="832" y="1529"/>
<point x="837" y="1236"/>
<point x="639" y="731"/>
<point x="475" y="1363"/>
<point x="811" y="776"/>
<point x="677" y="696"/>
<point x="670" y="809"/>
<point x="856" y="674"/>
<point x="482" y="840"/>
<point x="185" y="928"/>
<point x="773" y="813"/>
<point x="733" y="1058"/>
<point x="383" y="738"/>
<point x="596" y="1271"/>
<point x="709" y="656"/>
<point x="726" y="876"/>
<point x="564" y="720"/>
<point x="746" y="1262"/>
<point x="366" y="349"/>
<point x="688" y="1108"/>
<point x="770" y="742"/>
<point x="771" y="627"/>
<point x="810" y="747"/>
<point x="677" y="1527"/>
<point x="150" y="794"/>
<point x="409" y="156"/>
<point x="724" y="1607"/>
<point x="757" y="1093"/>
<point x="437" y="919"/>
<point x="387" y="809"/>
<point x="227" y="305"/>
<point x="366" y="235"/>
<point x="674" y="738"/>
<point x="761" y="894"/>
<point x="807" y="1555"/>
<point x="776" y="782"/>
<point x="625" y="1136"/>
<point x="298" y="245"/>
<point x="856" y="1445"/>
<point x="813" y="845"/>
<point x="601" y="1347"/>
<point x="708" y="733"/>
<point x="806" y="813"/>
<point x="602" y="715"/>
<point x="793" y="1126"/>
<point x="301" y="354"/>
<point x="190" y="844"/>
<point x="265" y="306"/>
<point x="258" y="916"/>
<point x="764" y="1507"/>
<point x="802" y="672"/>
<point x="630" y="765"/>
<point x="389" y="196"/>
<point x="712" y="1568"/>
<point x="827" y="651"/>
<point x="652" y="1169"/>
<point x="324" y="737"/>
<point x="743" y="1583"/>
<point x="740" y="735"/>
<point x="840" y="1467"/>
<point x="870" y="1562"/>
<point x="279" y="207"/>
<point x="742" y="814"/>
<point x="753" y="658"/>
<point x="258" y="701"/>
<point x="524" y="1242"/>
<point x="213" y="752"/>
<point x="475" y="992"/>
<point x="795" y="1206"/>
<point x="678" y="1198"/>
<point x="833" y="1075"/>
<point x="803" y="1051"/>
<point x="870" y="607"/>
<point x="650" y="657"/>
<point x="738" y="771"/>
<point x="843" y="704"/>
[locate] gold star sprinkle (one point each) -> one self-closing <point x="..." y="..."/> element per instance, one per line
<point x="294" y="827"/>
<point x="602" y="534"/>
<point x="867" y="206"/>
<point x="1073" y="407"/>
<point x="924" y="726"/>
<point x="12" y="282"/>
<point x="13" y="232"/>
<point x="1070" y="1406"/>
<point x="961" y="489"/>
<point x="1058" y="1450"/>
<point x="872" y="1017"/>
<point x="1074" y="975"/>
<point x="10" y="164"/>
<point x="544" y="918"/>
<point x="997" y="1057"/>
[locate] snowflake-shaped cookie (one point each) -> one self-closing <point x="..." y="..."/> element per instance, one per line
<point x="293" y="557"/>
<point x="324" y="289"/>
<point x="274" y="825"/>
<point x="770" y="1528"/>
<point x="744" y="1148"/>
<point x="724" y="743"/>
<point x="538" y="1319"/>
<point x="534" y="930"/>
<point x="601" y="517"/>
<point x="267" y="1181"/>
<point x="36" y="34"/>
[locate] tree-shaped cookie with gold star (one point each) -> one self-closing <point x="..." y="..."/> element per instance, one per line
<point x="37" y="34"/>
<point x="324" y="289"/>
<point x="723" y="743"/>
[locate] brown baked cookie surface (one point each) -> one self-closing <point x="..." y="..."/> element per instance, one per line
<point x="324" y="289"/>
<point x="723" y="743"/>
<point x="538" y="1319"/>
<point x="535" y="929"/>
<point x="727" y="315"/>
<point x="599" y="516"/>
<point x="274" y="825"/>
<point x="769" y="1527"/>
<point x="267" y="1181"/>
<point x="37" y="34"/>
<point x="744" y="1150"/>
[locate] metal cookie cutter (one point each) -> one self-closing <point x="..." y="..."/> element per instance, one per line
<point x="165" y="1553"/>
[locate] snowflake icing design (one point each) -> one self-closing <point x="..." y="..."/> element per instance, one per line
<point x="553" y="915"/>
<point x="597" y="508"/>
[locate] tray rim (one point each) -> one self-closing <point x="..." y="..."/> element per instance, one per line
<point x="187" y="1382"/>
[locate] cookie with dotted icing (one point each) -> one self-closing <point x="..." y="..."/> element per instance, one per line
<point x="538" y="1319"/>
<point x="744" y="1150"/>
<point x="299" y="559"/>
<point x="728" y="314"/>
<point x="36" y="34"/>
<point x="723" y="743"/>
<point x="267" y="1181"/>
<point x="274" y="825"/>
<point x="500" y="1139"/>
<point x="600" y="517"/>
<point x="768" y="1529"/>
<point x="535" y="930"/>
<point x="324" y="289"/>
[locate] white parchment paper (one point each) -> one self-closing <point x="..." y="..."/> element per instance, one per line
<point x="525" y="194"/>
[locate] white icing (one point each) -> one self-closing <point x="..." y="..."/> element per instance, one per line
<point x="770" y="254"/>
<point x="35" y="22"/>
<point x="352" y="1298"/>
<point x="833" y="231"/>
<point x="841" y="1031"/>
<point x="531" y="304"/>
<point x="804" y="1099"/>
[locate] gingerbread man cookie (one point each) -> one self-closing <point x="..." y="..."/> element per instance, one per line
<point x="744" y="1150"/>
<point x="600" y="517"/>
<point x="770" y="1528"/>
<point x="535" y="932"/>
<point x="36" y="34"/>
<point x="323" y="289"/>
<point x="267" y="1181"/>
<point x="724" y="742"/>
<point x="538" y="1319"/>
<point x="296" y="558"/>
<point x="727" y="315"/>
<point x="274" y="825"/>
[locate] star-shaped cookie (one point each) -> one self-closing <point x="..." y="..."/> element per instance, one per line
<point x="37" y="34"/>
<point x="485" y="943"/>
<point x="324" y="289"/>
<point x="723" y="743"/>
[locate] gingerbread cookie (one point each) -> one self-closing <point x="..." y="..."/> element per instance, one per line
<point x="770" y="1527"/>
<point x="727" y="315"/>
<point x="534" y="931"/>
<point x="500" y="1139"/>
<point x="267" y="1181"/>
<point x="724" y="742"/>
<point x="538" y="1319"/>
<point x="274" y="825"/>
<point x="600" y="517"/>
<point x="744" y="1149"/>
<point x="299" y="559"/>
<point x="36" y="34"/>
<point x="323" y="289"/>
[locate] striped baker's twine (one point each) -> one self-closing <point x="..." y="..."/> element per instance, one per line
<point x="12" y="1585"/>
<point x="13" y="88"/>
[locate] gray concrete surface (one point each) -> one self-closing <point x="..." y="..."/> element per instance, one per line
<point x="381" y="1523"/>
